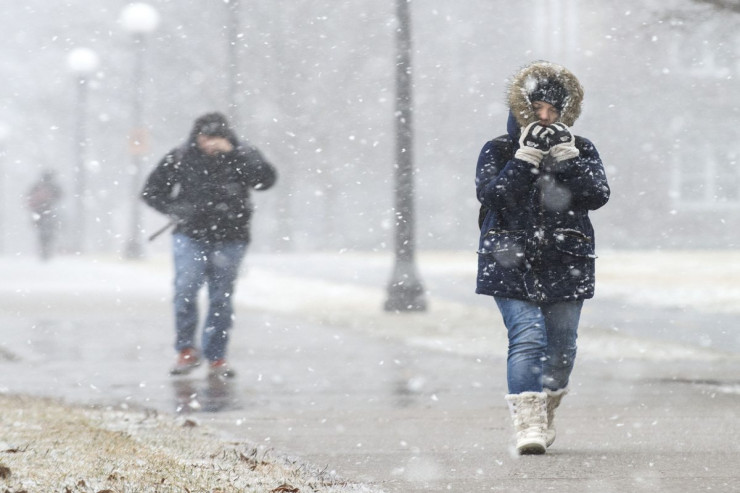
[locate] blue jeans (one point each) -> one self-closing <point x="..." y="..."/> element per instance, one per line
<point x="198" y="262"/>
<point x="542" y="343"/>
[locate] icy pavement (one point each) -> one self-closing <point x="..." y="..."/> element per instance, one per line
<point x="412" y="402"/>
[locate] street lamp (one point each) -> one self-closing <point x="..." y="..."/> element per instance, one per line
<point x="138" y="19"/>
<point x="234" y="26"/>
<point x="405" y="292"/>
<point x="81" y="62"/>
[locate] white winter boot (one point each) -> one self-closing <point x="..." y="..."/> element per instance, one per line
<point x="553" y="401"/>
<point x="529" y="413"/>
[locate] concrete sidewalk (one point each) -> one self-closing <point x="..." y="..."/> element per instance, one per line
<point x="414" y="419"/>
<point x="410" y="402"/>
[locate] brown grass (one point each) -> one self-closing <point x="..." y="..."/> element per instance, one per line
<point x="46" y="446"/>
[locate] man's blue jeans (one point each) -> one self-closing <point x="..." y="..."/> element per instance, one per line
<point x="198" y="262"/>
<point x="542" y="343"/>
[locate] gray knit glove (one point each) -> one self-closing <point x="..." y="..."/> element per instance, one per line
<point x="563" y="142"/>
<point x="534" y="143"/>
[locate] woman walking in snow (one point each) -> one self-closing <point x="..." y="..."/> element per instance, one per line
<point x="536" y="185"/>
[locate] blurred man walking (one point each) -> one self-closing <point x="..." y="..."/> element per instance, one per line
<point x="204" y="186"/>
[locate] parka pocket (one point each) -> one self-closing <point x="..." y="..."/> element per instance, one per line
<point x="506" y="247"/>
<point x="574" y="243"/>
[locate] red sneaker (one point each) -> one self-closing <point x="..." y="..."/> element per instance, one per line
<point x="186" y="361"/>
<point x="220" y="368"/>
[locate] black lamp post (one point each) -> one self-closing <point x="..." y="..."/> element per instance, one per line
<point x="139" y="19"/>
<point x="81" y="62"/>
<point x="405" y="291"/>
<point x="234" y="72"/>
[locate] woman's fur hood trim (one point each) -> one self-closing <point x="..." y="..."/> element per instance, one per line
<point x="524" y="83"/>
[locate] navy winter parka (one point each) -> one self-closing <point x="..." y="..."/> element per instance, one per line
<point x="537" y="241"/>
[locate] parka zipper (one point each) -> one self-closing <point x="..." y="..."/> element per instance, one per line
<point x="539" y="241"/>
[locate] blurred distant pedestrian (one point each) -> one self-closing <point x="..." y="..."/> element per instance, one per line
<point x="536" y="185"/>
<point x="42" y="200"/>
<point x="204" y="187"/>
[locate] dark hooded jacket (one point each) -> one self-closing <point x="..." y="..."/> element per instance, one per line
<point x="209" y="196"/>
<point x="537" y="241"/>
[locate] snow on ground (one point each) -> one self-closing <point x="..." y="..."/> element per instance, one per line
<point x="348" y="290"/>
<point x="699" y="279"/>
<point x="693" y="280"/>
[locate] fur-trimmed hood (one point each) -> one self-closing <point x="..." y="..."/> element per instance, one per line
<point x="531" y="79"/>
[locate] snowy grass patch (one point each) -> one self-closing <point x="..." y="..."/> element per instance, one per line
<point x="48" y="446"/>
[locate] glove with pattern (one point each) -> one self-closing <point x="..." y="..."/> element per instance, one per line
<point x="534" y="143"/>
<point x="563" y="142"/>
